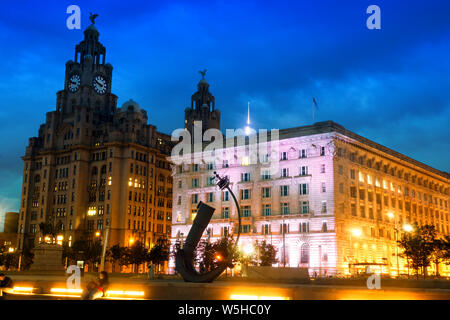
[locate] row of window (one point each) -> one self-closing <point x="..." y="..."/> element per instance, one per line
<point x="393" y="171"/>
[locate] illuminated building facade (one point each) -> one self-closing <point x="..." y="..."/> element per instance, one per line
<point x="332" y="207"/>
<point x="93" y="166"/>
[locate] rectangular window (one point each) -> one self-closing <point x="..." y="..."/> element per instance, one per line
<point x="304" y="170"/>
<point x="283" y="156"/>
<point x="284" y="228"/>
<point x="324" y="206"/>
<point x="353" y="192"/>
<point x="322" y="168"/>
<point x="195" y="168"/>
<point x="246" y="211"/>
<point x="304" y="189"/>
<point x="304" y="227"/>
<point x="284" y="208"/>
<point x="225" y="213"/>
<point x="324" y="188"/>
<point x="245" y="177"/>
<point x="352" y="174"/>
<point x="245" y="194"/>
<point x="266" y="192"/>
<point x="194" y="198"/>
<point x="284" y="191"/>
<point x="225" y="196"/>
<point x="266" y="209"/>
<point x="210" y="181"/>
<point x="285" y="172"/>
<point x="305" y="207"/>
<point x="265" y="229"/>
<point x="194" y="183"/>
<point x="303" y="153"/>
<point x="210" y="197"/>
<point x="353" y="209"/>
<point x="265" y="174"/>
<point x="322" y="151"/>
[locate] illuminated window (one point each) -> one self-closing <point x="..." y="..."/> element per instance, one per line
<point x="92" y="211"/>
<point x="245" y="161"/>
<point x="361" y="177"/>
<point x="109" y="181"/>
<point x="193" y="214"/>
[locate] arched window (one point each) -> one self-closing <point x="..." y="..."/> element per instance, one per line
<point x="304" y="253"/>
<point x="94" y="171"/>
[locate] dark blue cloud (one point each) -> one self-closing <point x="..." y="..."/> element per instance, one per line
<point x="390" y="85"/>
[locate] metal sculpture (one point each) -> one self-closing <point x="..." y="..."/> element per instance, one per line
<point x="184" y="257"/>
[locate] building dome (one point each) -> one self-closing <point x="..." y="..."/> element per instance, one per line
<point x="91" y="28"/>
<point x="130" y="105"/>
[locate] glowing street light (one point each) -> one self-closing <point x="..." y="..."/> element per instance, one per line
<point x="408" y="227"/>
<point x="131" y="241"/>
<point x="390" y="215"/>
<point x="248" y="249"/>
<point x="357" y="232"/>
<point x="97" y="234"/>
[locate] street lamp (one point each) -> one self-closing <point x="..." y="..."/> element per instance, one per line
<point x="408" y="227"/>
<point x="355" y="232"/>
<point x="391" y="216"/>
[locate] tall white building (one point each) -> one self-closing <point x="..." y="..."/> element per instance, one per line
<point x="334" y="206"/>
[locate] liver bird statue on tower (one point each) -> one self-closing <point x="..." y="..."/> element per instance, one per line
<point x="92" y="17"/>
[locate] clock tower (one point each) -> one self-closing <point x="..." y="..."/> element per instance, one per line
<point x="88" y="80"/>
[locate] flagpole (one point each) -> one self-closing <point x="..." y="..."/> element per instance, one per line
<point x="313" y="111"/>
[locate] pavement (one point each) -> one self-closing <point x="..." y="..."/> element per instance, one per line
<point x="238" y="288"/>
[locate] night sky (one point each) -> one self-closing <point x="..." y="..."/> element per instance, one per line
<point x="390" y="85"/>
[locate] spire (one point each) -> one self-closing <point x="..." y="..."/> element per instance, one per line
<point x="248" y="114"/>
<point x="248" y="130"/>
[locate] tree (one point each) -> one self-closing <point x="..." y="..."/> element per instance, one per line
<point x="446" y="249"/>
<point x="159" y="253"/>
<point x="137" y="255"/>
<point x="266" y="253"/>
<point x="116" y="254"/>
<point x="8" y="259"/>
<point x="210" y="255"/>
<point x="82" y="250"/>
<point x="418" y="247"/>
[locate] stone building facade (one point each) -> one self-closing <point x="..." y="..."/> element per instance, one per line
<point x="333" y="206"/>
<point x="94" y="166"/>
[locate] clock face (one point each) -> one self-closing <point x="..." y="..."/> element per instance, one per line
<point x="74" y="83"/>
<point x="99" y="84"/>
